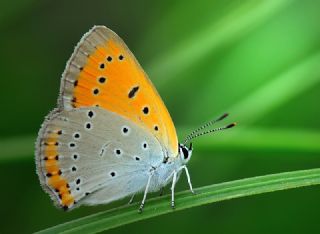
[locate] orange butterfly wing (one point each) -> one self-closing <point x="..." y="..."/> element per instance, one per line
<point x="103" y="72"/>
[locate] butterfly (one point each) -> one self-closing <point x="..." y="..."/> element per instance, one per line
<point x="111" y="135"/>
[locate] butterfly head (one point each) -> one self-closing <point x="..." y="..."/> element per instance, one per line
<point x="185" y="153"/>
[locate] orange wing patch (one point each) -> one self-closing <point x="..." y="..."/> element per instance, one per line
<point x="57" y="184"/>
<point x="103" y="72"/>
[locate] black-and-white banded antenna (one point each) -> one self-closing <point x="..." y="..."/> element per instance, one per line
<point x="208" y="124"/>
<point x="207" y="132"/>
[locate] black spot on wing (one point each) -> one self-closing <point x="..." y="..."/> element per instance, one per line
<point x="133" y="91"/>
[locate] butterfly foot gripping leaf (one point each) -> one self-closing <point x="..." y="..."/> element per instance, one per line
<point x="111" y="136"/>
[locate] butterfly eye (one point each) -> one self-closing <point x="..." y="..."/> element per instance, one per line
<point x="185" y="152"/>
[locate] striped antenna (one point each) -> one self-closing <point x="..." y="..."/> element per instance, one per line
<point x="190" y="136"/>
<point x="208" y="131"/>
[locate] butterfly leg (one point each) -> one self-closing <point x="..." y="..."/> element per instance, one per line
<point x="188" y="178"/>
<point x="174" y="180"/>
<point x="145" y="193"/>
<point x="131" y="199"/>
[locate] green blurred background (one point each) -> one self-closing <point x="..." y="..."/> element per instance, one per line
<point x="258" y="60"/>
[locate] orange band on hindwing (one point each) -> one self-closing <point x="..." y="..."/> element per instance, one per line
<point x="53" y="173"/>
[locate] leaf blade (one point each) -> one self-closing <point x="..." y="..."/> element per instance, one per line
<point x="209" y="194"/>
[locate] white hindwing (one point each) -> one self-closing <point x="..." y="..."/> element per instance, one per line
<point x="102" y="156"/>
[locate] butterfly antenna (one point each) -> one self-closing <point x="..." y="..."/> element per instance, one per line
<point x="209" y="131"/>
<point x="205" y="126"/>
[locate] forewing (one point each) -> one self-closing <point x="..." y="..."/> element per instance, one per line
<point x="103" y="72"/>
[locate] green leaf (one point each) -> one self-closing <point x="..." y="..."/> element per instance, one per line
<point x="209" y="194"/>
